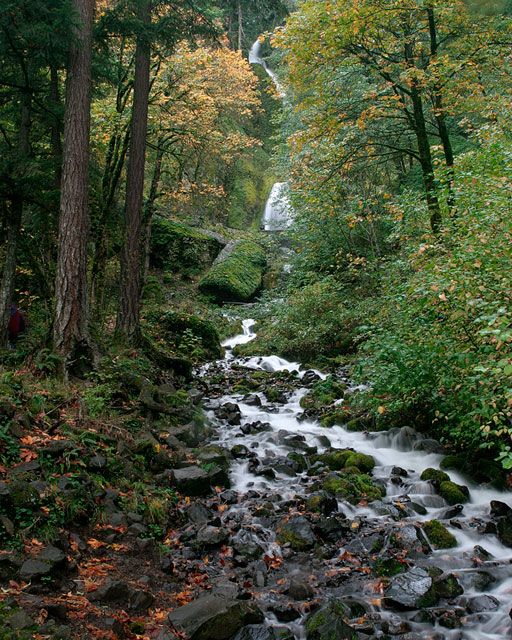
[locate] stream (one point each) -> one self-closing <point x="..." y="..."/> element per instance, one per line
<point x="266" y="488"/>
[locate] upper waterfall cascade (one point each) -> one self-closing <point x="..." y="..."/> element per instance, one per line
<point x="278" y="212"/>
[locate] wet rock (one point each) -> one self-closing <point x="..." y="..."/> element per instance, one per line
<point x="209" y="537"/>
<point x="395" y="626"/>
<point x="297" y="532"/>
<point x="453" y="493"/>
<point x="137" y="529"/>
<point x="256" y="632"/>
<point x="241" y="451"/>
<point x="253" y="400"/>
<point x="406" y="590"/>
<point x="451" y="512"/>
<point x="192" y="481"/>
<point x="230" y="412"/>
<point x="502" y="519"/>
<point x="322" y="502"/>
<point x="398" y="471"/>
<point x="435" y="476"/>
<point x="246" y="544"/>
<point x="253" y="428"/>
<point x="285" y="613"/>
<point x="329" y="622"/>
<point x="445" y="586"/>
<point x="438" y="535"/>
<point x="299" y="588"/>
<point x="387" y="509"/>
<point x="429" y="445"/>
<point x="215" y="617"/>
<point x="482" y="603"/>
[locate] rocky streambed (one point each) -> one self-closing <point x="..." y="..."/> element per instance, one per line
<point x="327" y="534"/>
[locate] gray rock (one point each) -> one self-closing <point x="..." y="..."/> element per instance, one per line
<point x="192" y="481"/>
<point x="115" y="591"/>
<point x="256" y="632"/>
<point x="210" y="537"/>
<point x="253" y="400"/>
<point x="34" y="569"/>
<point x="198" y="513"/>
<point x="19" y="620"/>
<point x="215" y="617"/>
<point x="299" y="588"/>
<point x="246" y="544"/>
<point x="241" y="451"/>
<point x="230" y="412"/>
<point x="328" y="623"/>
<point x="482" y="603"/>
<point x="141" y="600"/>
<point x="406" y="589"/>
<point x="297" y="532"/>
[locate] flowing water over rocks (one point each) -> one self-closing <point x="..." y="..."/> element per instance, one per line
<point x="327" y="533"/>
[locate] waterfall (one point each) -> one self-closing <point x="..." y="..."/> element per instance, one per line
<point x="278" y="212"/>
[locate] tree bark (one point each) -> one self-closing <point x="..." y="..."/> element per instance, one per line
<point x="150" y="205"/>
<point x="439" y="113"/>
<point x="56" y="125"/>
<point x="71" y="321"/>
<point x="14" y="221"/>
<point x="128" y="317"/>
<point x="424" y="151"/>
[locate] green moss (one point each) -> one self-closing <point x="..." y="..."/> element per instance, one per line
<point x="237" y="278"/>
<point x="346" y="458"/>
<point x="362" y="461"/>
<point x="438" y="535"/>
<point x="453" y="493"/>
<point x="353" y="487"/>
<point x="389" y="567"/>
<point x="185" y="249"/>
<point x="435" y="476"/>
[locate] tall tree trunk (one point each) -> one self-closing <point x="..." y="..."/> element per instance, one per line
<point x="424" y="151"/>
<point x="14" y="221"/>
<point x="240" y="25"/>
<point x="56" y="125"/>
<point x="128" y="317"/>
<point x="150" y="205"/>
<point x="439" y="112"/>
<point x="71" y="321"/>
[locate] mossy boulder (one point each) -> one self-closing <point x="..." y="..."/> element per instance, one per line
<point x="438" y="535"/>
<point x="188" y="334"/>
<point x="435" y="476"/>
<point x="183" y="248"/>
<point x="238" y="276"/>
<point x="453" y="493"/>
<point x="296" y="532"/>
<point x="330" y="623"/>
<point x="353" y="486"/>
<point x="336" y="460"/>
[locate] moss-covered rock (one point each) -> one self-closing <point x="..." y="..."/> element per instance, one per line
<point x="353" y="486"/>
<point x="336" y="460"/>
<point x="329" y="623"/>
<point x="435" y="476"/>
<point x="180" y="247"/>
<point x="438" y="535"/>
<point x="453" y="493"/>
<point x="238" y="277"/>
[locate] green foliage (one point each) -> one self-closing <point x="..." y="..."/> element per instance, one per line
<point x="314" y="321"/>
<point x="323" y="394"/>
<point x="238" y="277"/>
<point x="353" y="486"/>
<point x="186" y="335"/>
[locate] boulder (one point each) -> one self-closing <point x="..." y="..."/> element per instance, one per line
<point x="297" y="532"/>
<point x="192" y="481"/>
<point x="406" y="590"/>
<point x="329" y="623"/>
<point x="215" y="617"/>
<point x="209" y="537"/>
<point x="256" y="632"/>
